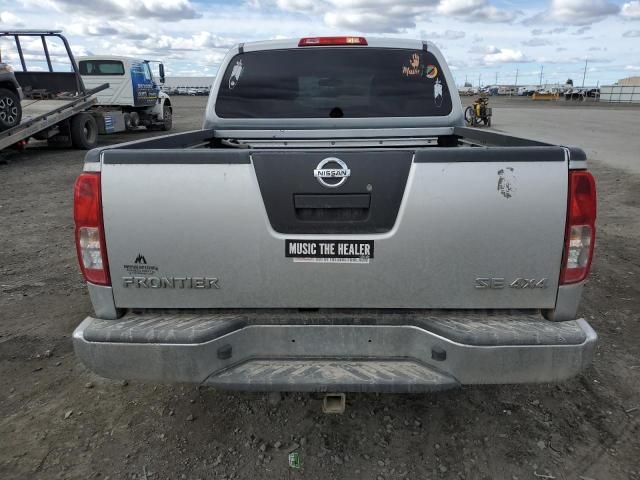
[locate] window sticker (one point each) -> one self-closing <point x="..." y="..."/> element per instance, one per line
<point x="416" y="69"/>
<point x="414" y="66"/>
<point x="235" y="74"/>
<point x="437" y="93"/>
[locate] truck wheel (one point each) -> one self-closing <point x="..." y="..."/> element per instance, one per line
<point x="84" y="131"/>
<point x="167" y="115"/>
<point x="10" y="109"/>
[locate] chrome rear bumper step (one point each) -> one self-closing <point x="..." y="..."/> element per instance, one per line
<point x="473" y="327"/>
<point x="378" y="353"/>
<point x="397" y="376"/>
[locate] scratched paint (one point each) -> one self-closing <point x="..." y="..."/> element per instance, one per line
<point x="506" y="182"/>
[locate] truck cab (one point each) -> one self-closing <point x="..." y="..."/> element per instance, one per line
<point x="134" y="98"/>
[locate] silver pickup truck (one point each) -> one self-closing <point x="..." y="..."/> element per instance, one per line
<point x="334" y="228"/>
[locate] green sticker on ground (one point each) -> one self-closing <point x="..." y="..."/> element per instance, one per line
<point x="294" y="460"/>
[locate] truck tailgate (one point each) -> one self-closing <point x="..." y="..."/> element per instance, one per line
<point x="427" y="228"/>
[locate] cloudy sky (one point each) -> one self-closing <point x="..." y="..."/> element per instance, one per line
<point x="480" y="38"/>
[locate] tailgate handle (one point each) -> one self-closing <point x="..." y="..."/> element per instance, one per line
<point x="332" y="201"/>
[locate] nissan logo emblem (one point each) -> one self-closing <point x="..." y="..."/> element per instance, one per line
<point x="332" y="177"/>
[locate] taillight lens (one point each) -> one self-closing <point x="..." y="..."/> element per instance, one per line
<point x="328" y="41"/>
<point x="580" y="232"/>
<point x="87" y="213"/>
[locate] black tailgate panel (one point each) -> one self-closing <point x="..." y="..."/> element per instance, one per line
<point x="367" y="202"/>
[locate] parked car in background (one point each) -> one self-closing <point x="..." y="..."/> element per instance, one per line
<point x="593" y="92"/>
<point x="490" y="90"/>
<point x="506" y="90"/>
<point x="576" y="94"/>
<point x="527" y="91"/>
<point x="581" y="93"/>
<point x="10" y="98"/>
<point x="169" y="90"/>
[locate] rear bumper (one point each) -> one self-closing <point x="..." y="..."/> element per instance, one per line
<point x="376" y="352"/>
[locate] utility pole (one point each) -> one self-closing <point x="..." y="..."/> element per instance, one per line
<point x="516" y="81"/>
<point x="584" y="75"/>
<point x="541" y="70"/>
<point x="496" y="79"/>
<point x="479" y="80"/>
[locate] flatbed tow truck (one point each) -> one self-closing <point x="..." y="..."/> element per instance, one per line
<point x="56" y="104"/>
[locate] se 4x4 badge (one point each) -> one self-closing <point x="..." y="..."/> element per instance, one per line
<point x="484" y="283"/>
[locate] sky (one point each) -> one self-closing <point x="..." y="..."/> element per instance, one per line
<point x="482" y="40"/>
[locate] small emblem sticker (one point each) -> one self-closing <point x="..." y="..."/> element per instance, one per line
<point x="414" y="66"/>
<point x="431" y="71"/>
<point x="140" y="267"/>
<point x="235" y="74"/>
<point x="437" y="93"/>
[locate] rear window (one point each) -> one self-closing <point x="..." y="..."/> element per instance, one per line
<point x="355" y="82"/>
<point x="101" y="67"/>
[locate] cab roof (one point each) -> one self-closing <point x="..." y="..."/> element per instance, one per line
<point x="376" y="42"/>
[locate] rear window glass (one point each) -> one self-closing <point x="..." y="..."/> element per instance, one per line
<point x="101" y="67"/>
<point x="354" y="82"/>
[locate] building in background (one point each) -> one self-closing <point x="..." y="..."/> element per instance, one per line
<point x="626" y="90"/>
<point x="629" y="82"/>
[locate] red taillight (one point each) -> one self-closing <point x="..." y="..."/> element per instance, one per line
<point x="90" y="244"/>
<point x="581" y="227"/>
<point x="325" y="41"/>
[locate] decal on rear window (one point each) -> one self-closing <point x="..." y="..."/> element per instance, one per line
<point x="414" y="66"/>
<point x="437" y="93"/>
<point x="431" y="71"/>
<point x="333" y="82"/>
<point x="235" y="74"/>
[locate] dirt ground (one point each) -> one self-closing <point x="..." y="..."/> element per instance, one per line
<point x="58" y="420"/>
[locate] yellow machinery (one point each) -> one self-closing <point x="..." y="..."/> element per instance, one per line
<point x="545" y="96"/>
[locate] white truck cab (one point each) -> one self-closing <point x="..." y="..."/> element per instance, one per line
<point x="134" y="97"/>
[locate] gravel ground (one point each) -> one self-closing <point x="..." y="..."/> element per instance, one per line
<point x="58" y="420"/>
